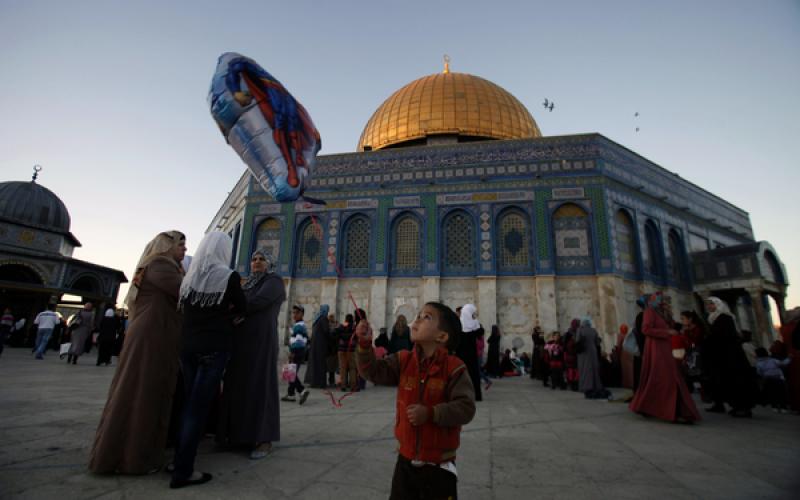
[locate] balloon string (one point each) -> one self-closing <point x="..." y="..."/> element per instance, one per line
<point x="337" y="403"/>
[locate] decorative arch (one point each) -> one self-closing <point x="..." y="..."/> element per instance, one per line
<point x="513" y="241"/>
<point x="655" y="253"/>
<point x="625" y="236"/>
<point x="573" y="240"/>
<point x="268" y="237"/>
<point x="458" y="244"/>
<point x="87" y="283"/>
<point x="406" y="245"/>
<point x="20" y="273"/>
<point x="308" y="260"/>
<point x="356" y="238"/>
<point x="678" y="264"/>
<point x="774" y="270"/>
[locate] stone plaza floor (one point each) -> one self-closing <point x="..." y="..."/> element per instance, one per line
<point x="525" y="442"/>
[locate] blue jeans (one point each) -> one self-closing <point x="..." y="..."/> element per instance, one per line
<point x="202" y="373"/>
<point x="42" y="338"/>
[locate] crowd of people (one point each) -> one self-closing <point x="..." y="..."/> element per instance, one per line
<point x="72" y="337"/>
<point x="202" y="355"/>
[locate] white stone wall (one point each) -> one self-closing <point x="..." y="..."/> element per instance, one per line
<point x="576" y="297"/>
<point x="455" y="292"/>
<point x="404" y="296"/>
<point x="516" y="306"/>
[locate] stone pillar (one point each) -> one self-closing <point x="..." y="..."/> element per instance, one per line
<point x="781" y="308"/>
<point x="487" y="301"/>
<point x="610" y="293"/>
<point x="377" y="303"/>
<point x="763" y="333"/>
<point x="546" y="309"/>
<point x="431" y="290"/>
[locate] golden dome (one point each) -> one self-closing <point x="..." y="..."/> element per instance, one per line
<point x="448" y="104"/>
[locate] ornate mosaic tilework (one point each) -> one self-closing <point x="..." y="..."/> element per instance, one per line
<point x="513" y="241"/>
<point x="626" y="244"/>
<point x="309" y="258"/>
<point x="380" y="245"/>
<point x="652" y="257"/>
<point x="458" y="238"/>
<point x="542" y="235"/>
<point x="429" y="202"/>
<point x="356" y="244"/>
<point x="678" y="267"/>
<point x="572" y="240"/>
<point x="406" y="240"/>
<point x="268" y="237"/>
<point x="288" y="237"/>
<point x="600" y="220"/>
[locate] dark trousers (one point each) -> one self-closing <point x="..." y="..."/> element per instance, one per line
<point x="202" y="373"/>
<point x="298" y="355"/>
<point x="427" y="482"/>
<point x="557" y="378"/>
<point x="775" y="393"/>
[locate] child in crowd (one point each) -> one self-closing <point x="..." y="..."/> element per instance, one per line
<point x="297" y="354"/>
<point x="435" y="398"/>
<point x="773" y="382"/>
<point x="554" y="357"/>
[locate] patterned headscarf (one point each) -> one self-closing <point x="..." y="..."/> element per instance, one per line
<point x="255" y="278"/>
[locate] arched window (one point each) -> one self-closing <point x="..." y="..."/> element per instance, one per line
<point x="653" y="239"/>
<point x="626" y="242"/>
<point x="677" y="259"/>
<point x="513" y="241"/>
<point x="309" y="249"/>
<point x="355" y="253"/>
<point x="458" y="238"/>
<point x="573" y="242"/>
<point x="406" y="249"/>
<point x="268" y="237"/>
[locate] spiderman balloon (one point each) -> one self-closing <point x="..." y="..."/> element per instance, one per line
<point x="265" y="125"/>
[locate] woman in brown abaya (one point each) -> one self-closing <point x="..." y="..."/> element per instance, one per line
<point x="132" y="432"/>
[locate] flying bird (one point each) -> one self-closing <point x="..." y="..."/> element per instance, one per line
<point x="548" y="105"/>
<point x="636" y="114"/>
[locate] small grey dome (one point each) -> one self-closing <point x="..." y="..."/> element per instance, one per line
<point x="32" y="204"/>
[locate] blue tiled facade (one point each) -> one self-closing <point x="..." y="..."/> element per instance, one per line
<point x="534" y="177"/>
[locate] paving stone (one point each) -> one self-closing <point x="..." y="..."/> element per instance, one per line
<point x="526" y="442"/>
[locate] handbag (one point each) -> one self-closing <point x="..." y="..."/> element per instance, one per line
<point x="629" y="344"/>
<point x="64" y="349"/>
<point x="289" y="372"/>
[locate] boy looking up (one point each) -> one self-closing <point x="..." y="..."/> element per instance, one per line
<point x="435" y="398"/>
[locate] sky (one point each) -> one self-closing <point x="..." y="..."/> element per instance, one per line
<point x="109" y="97"/>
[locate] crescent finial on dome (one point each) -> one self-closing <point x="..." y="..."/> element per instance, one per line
<point x="446" y="64"/>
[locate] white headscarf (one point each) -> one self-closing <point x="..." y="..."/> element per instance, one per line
<point x="109" y="312"/>
<point x="720" y="308"/>
<point x="205" y="283"/>
<point x="468" y="322"/>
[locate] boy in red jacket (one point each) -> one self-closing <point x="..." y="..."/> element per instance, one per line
<point x="435" y="398"/>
